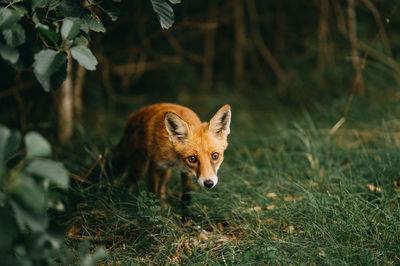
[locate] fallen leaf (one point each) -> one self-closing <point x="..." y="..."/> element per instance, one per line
<point x="271" y="207"/>
<point x="203" y="236"/>
<point x="220" y="226"/>
<point x="187" y="249"/>
<point x="284" y="224"/>
<point x="290" y="229"/>
<point x="345" y="162"/>
<point x="258" y="153"/>
<point x="270" y="221"/>
<point x="373" y="188"/>
<point x="396" y="184"/>
<point x="271" y="195"/>
<point x="74" y="230"/>
<point x="257" y="208"/>
<point x="289" y="198"/>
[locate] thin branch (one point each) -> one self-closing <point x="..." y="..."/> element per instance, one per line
<point x="378" y="21"/>
<point x="352" y="21"/>
<point x="19" y="87"/>
<point x="240" y="44"/>
<point x="79" y="82"/>
<point x="180" y="50"/>
<point x="260" y="44"/>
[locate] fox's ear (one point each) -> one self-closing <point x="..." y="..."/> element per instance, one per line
<point x="221" y="121"/>
<point x="177" y="128"/>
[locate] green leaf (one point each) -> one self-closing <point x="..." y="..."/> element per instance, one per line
<point x="3" y="172"/>
<point x="79" y="41"/>
<point x="54" y="81"/>
<point x="7" y="229"/>
<point x="49" y="170"/>
<point x="51" y="35"/>
<point x="9" y="53"/>
<point x="8" y="17"/>
<point x="57" y="79"/>
<point x="165" y="13"/>
<point x="84" y="56"/>
<point x="15" y="35"/>
<point x="53" y="4"/>
<point x="50" y="68"/>
<point x="113" y="14"/>
<point x="12" y="145"/>
<point x="36" y="145"/>
<point x="72" y="8"/>
<point x="27" y="192"/>
<point x="94" y="259"/>
<point x="39" y="3"/>
<point x="175" y="1"/>
<point x="20" y="9"/>
<point x="5" y="134"/>
<point x="36" y="223"/>
<point x="70" y="28"/>
<point x="48" y="62"/>
<point x="92" y="22"/>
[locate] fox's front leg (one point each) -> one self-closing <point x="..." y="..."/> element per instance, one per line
<point x="186" y="179"/>
<point x="154" y="178"/>
<point x="158" y="178"/>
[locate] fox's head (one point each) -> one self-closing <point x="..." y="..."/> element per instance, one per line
<point x="201" y="147"/>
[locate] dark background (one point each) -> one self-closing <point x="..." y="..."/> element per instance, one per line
<point x="257" y="55"/>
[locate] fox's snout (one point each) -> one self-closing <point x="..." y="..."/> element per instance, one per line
<point x="208" y="182"/>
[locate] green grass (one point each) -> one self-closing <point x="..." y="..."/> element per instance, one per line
<point x="289" y="193"/>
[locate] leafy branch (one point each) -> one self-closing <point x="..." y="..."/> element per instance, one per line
<point x="39" y="33"/>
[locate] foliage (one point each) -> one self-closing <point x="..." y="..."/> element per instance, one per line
<point x="164" y="12"/>
<point x="29" y="186"/>
<point x="39" y="33"/>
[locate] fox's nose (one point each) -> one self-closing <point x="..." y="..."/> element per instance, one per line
<point x="208" y="183"/>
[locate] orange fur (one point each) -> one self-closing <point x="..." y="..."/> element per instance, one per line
<point x="161" y="136"/>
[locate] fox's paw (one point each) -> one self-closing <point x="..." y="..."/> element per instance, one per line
<point x="165" y="204"/>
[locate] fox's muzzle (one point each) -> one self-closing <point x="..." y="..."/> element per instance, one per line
<point x="208" y="182"/>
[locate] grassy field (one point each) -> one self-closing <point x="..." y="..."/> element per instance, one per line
<point x="290" y="192"/>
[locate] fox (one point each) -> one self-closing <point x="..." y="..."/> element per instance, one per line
<point x="163" y="136"/>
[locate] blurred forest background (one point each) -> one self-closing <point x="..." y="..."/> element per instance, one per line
<point x="266" y="53"/>
<point x="311" y="173"/>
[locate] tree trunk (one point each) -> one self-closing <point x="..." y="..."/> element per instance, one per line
<point x="209" y="47"/>
<point x="340" y="18"/>
<point x="280" y="29"/>
<point x="240" y="43"/>
<point x="324" y="54"/>
<point x="79" y="82"/>
<point x="260" y="45"/>
<point x="352" y="21"/>
<point x="66" y="106"/>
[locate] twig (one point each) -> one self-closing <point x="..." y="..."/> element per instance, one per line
<point x="179" y="49"/>
<point x="80" y="179"/>
<point x="17" y="88"/>
<point x="260" y="44"/>
<point x="209" y="47"/>
<point x="79" y="82"/>
<point x="240" y="44"/>
<point x="378" y="21"/>
<point x="355" y="60"/>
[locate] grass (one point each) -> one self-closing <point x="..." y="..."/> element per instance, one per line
<point x="289" y="193"/>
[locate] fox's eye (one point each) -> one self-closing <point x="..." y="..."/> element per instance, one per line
<point x="215" y="155"/>
<point x="192" y="159"/>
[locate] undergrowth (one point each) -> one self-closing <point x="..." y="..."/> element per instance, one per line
<point x="290" y="192"/>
